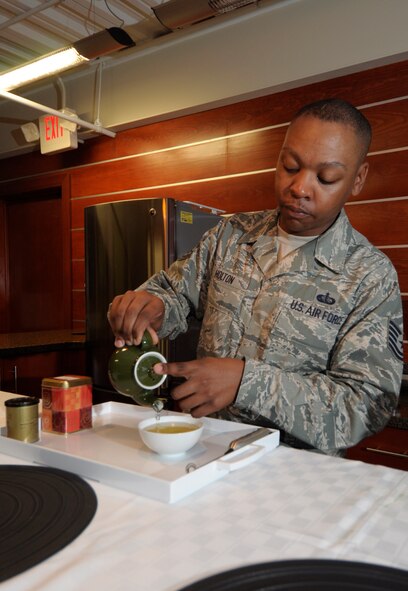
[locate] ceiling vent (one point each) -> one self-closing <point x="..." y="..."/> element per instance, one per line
<point x="177" y="14"/>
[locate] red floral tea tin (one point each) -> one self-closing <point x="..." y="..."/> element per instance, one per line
<point x="66" y="403"/>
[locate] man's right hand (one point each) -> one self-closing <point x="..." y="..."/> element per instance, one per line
<point x="133" y="312"/>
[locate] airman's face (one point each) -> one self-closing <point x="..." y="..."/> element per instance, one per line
<point x="319" y="167"/>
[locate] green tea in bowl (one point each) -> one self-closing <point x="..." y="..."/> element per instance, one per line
<point x="171" y="434"/>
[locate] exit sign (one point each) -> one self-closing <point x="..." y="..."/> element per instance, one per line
<point x="54" y="135"/>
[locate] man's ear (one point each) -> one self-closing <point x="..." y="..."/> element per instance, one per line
<point x="360" y="178"/>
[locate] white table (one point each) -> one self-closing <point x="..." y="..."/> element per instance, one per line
<point x="289" y="504"/>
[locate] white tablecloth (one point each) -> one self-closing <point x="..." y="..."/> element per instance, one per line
<point x="289" y="504"/>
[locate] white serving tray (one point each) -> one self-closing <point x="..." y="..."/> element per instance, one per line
<point x="113" y="453"/>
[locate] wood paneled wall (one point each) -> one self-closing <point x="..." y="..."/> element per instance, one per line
<point x="225" y="158"/>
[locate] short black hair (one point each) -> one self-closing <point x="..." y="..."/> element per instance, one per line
<point x="340" y="111"/>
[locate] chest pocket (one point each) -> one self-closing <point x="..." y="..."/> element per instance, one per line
<point x="227" y="312"/>
<point x="307" y="326"/>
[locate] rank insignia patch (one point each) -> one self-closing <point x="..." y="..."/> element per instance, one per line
<point x="395" y="340"/>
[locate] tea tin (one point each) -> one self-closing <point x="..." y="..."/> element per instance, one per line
<point x="66" y="403"/>
<point x="22" y="418"/>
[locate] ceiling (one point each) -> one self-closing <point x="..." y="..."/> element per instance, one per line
<point x="31" y="28"/>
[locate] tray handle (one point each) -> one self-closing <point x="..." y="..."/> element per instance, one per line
<point x="242" y="458"/>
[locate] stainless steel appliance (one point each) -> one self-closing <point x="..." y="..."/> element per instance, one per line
<point x="125" y="243"/>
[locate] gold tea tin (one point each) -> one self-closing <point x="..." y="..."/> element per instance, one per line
<point x="22" y="419"/>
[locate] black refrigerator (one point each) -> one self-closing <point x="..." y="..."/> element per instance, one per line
<point x="125" y="243"/>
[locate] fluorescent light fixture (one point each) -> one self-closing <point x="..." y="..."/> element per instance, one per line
<point x="97" y="45"/>
<point x="41" y="68"/>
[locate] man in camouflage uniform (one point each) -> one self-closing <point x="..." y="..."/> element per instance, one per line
<point x="301" y="315"/>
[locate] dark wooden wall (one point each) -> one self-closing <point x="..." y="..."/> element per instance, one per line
<point x="225" y="157"/>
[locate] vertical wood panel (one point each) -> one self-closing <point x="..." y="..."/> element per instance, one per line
<point x="78" y="274"/>
<point x="3" y="270"/>
<point x="78" y="305"/>
<point x="78" y="244"/>
<point x="47" y="232"/>
<point x="35" y="236"/>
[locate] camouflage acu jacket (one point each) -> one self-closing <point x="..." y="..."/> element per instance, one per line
<point x="320" y="331"/>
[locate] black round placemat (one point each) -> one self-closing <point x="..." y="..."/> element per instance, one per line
<point x="306" y="575"/>
<point x="41" y="511"/>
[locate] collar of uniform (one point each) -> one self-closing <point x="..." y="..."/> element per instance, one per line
<point x="261" y="224"/>
<point x="259" y="231"/>
<point x="332" y="245"/>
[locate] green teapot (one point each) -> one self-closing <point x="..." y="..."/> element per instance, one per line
<point x="131" y="371"/>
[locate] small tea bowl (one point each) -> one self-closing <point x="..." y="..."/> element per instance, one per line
<point x="183" y="432"/>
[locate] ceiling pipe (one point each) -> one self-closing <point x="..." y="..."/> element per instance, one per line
<point x="51" y="111"/>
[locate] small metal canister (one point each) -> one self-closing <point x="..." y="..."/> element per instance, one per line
<point x="22" y="419"/>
